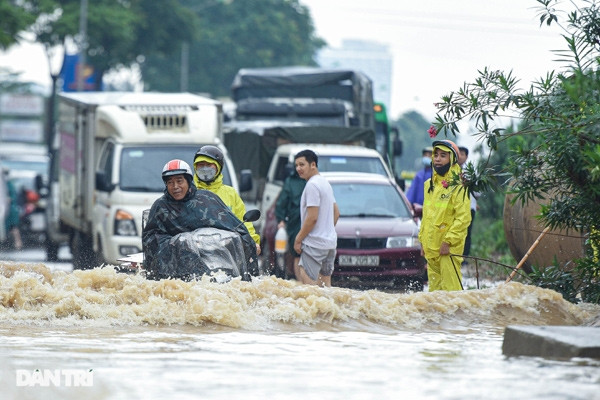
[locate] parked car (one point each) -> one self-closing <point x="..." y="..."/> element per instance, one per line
<point x="377" y="232"/>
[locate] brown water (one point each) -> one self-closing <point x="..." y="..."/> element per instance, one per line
<point x="272" y="338"/>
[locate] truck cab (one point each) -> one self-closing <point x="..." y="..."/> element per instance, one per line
<point x="113" y="147"/>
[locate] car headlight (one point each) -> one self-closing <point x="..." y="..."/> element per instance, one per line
<point x="396" y="242"/>
<point x="124" y="224"/>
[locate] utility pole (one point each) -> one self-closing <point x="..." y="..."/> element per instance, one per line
<point x="185" y="67"/>
<point x="82" y="45"/>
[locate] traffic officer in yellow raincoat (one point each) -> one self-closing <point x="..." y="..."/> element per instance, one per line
<point x="208" y="164"/>
<point x="446" y="217"/>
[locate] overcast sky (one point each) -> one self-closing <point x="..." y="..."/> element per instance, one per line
<point x="437" y="45"/>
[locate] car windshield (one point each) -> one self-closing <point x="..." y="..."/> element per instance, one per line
<point x="372" y="165"/>
<point x="369" y="200"/>
<point x="337" y="163"/>
<point x="141" y="166"/>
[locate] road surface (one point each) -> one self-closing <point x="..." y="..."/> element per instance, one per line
<point x="38" y="255"/>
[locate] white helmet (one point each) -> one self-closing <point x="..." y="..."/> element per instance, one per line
<point x="177" y="167"/>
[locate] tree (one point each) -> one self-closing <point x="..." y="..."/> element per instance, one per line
<point x="412" y="127"/>
<point x="562" y="110"/>
<point x="235" y="34"/>
<point x="15" y="19"/>
<point x="119" y="33"/>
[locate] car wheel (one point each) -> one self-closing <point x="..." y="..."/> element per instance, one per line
<point x="416" y="285"/>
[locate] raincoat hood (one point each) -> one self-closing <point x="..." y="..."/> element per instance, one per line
<point x="216" y="182"/>
<point x="449" y="147"/>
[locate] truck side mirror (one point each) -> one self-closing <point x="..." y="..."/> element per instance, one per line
<point x="102" y="182"/>
<point x="397" y="143"/>
<point x="245" y="180"/>
<point x="39" y="183"/>
<point x="401" y="183"/>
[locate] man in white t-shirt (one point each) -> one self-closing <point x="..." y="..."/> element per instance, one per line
<point x="317" y="240"/>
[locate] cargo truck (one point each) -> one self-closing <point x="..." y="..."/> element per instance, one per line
<point x="310" y="95"/>
<point x="112" y="147"/>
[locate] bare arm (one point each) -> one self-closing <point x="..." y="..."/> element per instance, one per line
<point x="312" y="213"/>
<point x="336" y="214"/>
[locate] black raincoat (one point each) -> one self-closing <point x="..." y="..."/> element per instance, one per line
<point x="164" y="258"/>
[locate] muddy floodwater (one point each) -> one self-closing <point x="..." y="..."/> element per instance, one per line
<point x="99" y="334"/>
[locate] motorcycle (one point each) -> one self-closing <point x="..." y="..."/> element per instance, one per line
<point x="204" y="251"/>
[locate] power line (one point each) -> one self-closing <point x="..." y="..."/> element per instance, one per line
<point x="442" y="22"/>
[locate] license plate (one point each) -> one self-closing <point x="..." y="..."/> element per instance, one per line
<point x="359" y="261"/>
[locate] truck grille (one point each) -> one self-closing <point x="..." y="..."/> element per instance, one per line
<point x="160" y="122"/>
<point x="157" y="118"/>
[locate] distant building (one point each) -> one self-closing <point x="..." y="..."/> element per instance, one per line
<point x="371" y="58"/>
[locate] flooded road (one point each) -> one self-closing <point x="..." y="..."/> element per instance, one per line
<point x="99" y="334"/>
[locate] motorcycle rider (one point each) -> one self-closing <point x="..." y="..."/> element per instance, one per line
<point x="184" y="208"/>
<point x="208" y="164"/>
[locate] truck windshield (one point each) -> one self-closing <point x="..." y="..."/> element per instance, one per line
<point x="141" y="166"/>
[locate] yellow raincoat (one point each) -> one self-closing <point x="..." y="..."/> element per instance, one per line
<point x="446" y="217"/>
<point x="227" y="193"/>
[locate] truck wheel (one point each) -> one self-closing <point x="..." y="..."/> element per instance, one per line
<point x="82" y="251"/>
<point x="51" y="251"/>
<point x="98" y="257"/>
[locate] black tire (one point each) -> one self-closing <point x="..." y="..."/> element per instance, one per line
<point x="51" y="251"/>
<point x="416" y="285"/>
<point x="98" y="257"/>
<point x="82" y="251"/>
<point x="266" y="266"/>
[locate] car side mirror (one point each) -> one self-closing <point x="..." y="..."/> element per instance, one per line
<point x="397" y="147"/>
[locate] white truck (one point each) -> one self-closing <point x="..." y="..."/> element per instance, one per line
<point x="112" y="148"/>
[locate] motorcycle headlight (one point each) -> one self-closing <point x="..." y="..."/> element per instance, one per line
<point x="124" y="224"/>
<point x="396" y="242"/>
